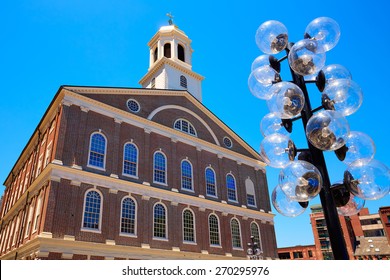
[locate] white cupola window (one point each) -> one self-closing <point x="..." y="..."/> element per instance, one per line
<point x="185" y="126"/>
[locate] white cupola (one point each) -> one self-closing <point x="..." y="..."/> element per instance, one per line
<point x="170" y="62"/>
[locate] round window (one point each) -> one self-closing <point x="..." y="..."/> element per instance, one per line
<point x="133" y="106"/>
<point x="228" y="142"/>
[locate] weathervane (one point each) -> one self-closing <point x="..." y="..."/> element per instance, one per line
<point x="170" y="21"/>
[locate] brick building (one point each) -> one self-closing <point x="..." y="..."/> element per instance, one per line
<point x="299" y="252"/>
<point x="137" y="173"/>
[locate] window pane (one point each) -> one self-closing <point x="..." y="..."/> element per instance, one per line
<point x="214" y="230"/>
<point x="159" y="221"/>
<point x="236" y="236"/>
<point x="186" y="175"/>
<point x="210" y="182"/>
<point x="130" y="160"/>
<point x="97" y="150"/>
<point x="92" y="210"/>
<point x="128" y="216"/>
<point x="231" y="187"/>
<point x="251" y="199"/>
<point x="188" y="226"/>
<point x="159" y="168"/>
<point x="255" y="233"/>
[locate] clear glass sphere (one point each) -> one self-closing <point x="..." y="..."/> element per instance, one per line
<point x="371" y="179"/>
<point x="271" y="124"/>
<point x="346" y="96"/>
<point x="360" y="146"/>
<point x="261" y="80"/>
<point x="287" y="100"/>
<point x="262" y="60"/>
<point x="274" y="150"/>
<point x="271" y="37"/>
<point x="336" y="71"/>
<point x="353" y="206"/>
<point x="284" y="205"/>
<point x="300" y="180"/>
<point x="327" y="130"/>
<point x="304" y="58"/>
<point x="325" y="31"/>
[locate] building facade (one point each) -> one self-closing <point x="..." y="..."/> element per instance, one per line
<point x="137" y="173"/>
<point x="300" y="252"/>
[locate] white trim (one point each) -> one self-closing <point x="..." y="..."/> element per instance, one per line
<point x="166" y="223"/>
<point x="166" y="168"/>
<point x="123" y="160"/>
<point x="189" y="125"/>
<point x="98" y="230"/>
<point x="194" y="226"/>
<point x="181" y="176"/>
<point x="250" y="190"/>
<point x="165" y="107"/>
<point x="135" y="217"/>
<point x="230" y="140"/>
<point x="127" y="105"/>
<point x="219" y="231"/>
<point x="239" y="233"/>
<point x="105" y="151"/>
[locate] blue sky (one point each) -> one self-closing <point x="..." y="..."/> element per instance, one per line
<point x="45" y="44"/>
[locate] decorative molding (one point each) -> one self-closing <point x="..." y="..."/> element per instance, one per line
<point x="69" y="237"/>
<point x="75" y="166"/>
<point x="67" y="256"/>
<point x="110" y="242"/>
<point x="114" y="175"/>
<point x="145" y="246"/>
<point x="176" y="249"/>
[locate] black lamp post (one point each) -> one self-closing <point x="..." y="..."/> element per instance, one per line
<point x="254" y="252"/>
<point x="326" y="127"/>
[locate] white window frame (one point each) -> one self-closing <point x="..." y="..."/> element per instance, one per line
<point x="123" y="163"/>
<point x="105" y="151"/>
<point x="239" y="233"/>
<point x="135" y="218"/>
<point x="215" y="182"/>
<point x="192" y="176"/>
<point x="219" y="230"/>
<point x="235" y="187"/>
<point x="166" y="168"/>
<point x="194" y="222"/>
<point x="166" y="223"/>
<point x="99" y="229"/>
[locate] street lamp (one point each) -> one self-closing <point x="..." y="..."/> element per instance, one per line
<point x="303" y="172"/>
<point x="254" y="252"/>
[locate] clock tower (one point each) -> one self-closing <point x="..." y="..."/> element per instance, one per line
<point x="170" y="62"/>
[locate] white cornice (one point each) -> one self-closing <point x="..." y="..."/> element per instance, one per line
<point x="115" y="184"/>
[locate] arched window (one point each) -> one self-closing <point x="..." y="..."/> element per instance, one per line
<point x="97" y="150"/>
<point x="236" y="235"/>
<point x="210" y="182"/>
<point x="159" y="221"/>
<point x="92" y="210"/>
<point x="184" y="126"/>
<point x="231" y="187"/>
<point x="186" y="175"/>
<point x="180" y="53"/>
<point x="256" y="234"/>
<point x="155" y="55"/>
<point x="188" y="226"/>
<point x="128" y="225"/>
<point x="214" y="230"/>
<point x="130" y="160"/>
<point x="183" y="81"/>
<point x="167" y="50"/>
<point x="250" y="192"/>
<point x="160" y="168"/>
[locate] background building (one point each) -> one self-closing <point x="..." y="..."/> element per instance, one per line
<point x="137" y="173"/>
<point x="300" y="252"/>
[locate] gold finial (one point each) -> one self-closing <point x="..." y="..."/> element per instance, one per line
<point x="170" y="21"/>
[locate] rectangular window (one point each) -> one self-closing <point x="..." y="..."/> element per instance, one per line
<point x="251" y="200"/>
<point x="298" y="255"/>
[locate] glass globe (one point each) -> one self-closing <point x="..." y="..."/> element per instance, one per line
<point x="304" y="58"/>
<point x="287" y="100"/>
<point x="325" y="31"/>
<point x="271" y="37"/>
<point x="270" y="124"/>
<point x="345" y="96"/>
<point x="360" y="146"/>
<point x="262" y="60"/>
<point x="261" y="80"/>
<point x="284" y="205"/>
<point x="275" y="150"/>
<point x="327" y="130"/>
<point x="300" y="180"/>
<point x="336" y="71"/>
<point x="353" y="206"/>
<point x="371" y="179"/>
